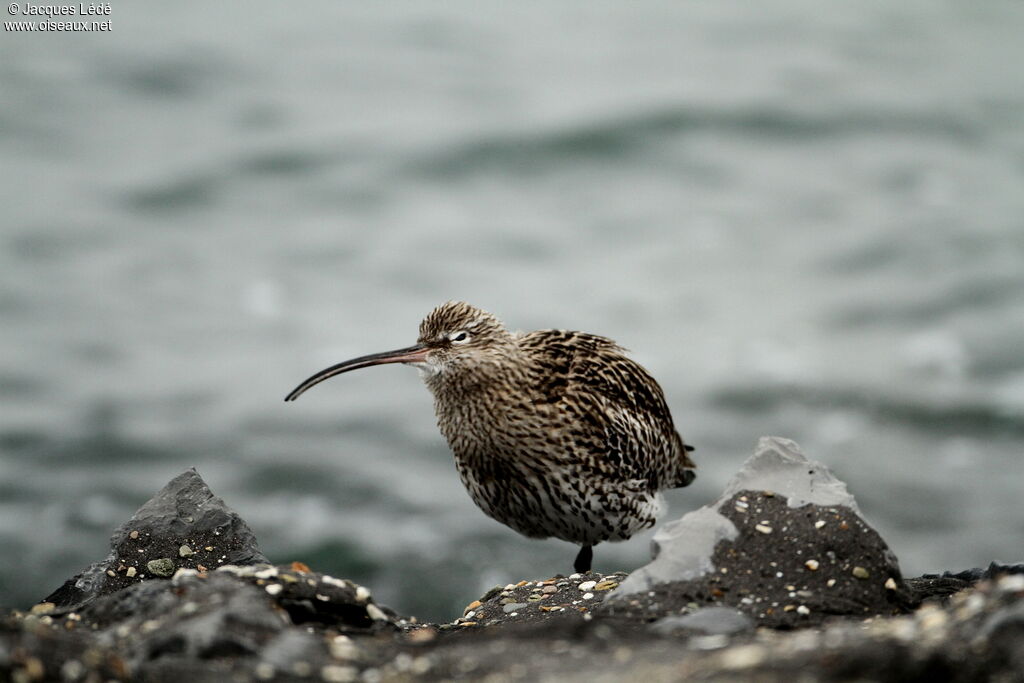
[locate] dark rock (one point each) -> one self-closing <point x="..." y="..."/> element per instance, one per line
<point x="785" y="544"/>
<point x="184" y="512"/>
<point x="250" y="621"/>
<point x="941" y="586"/>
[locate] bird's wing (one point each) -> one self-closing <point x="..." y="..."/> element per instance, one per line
<point x="615" y="410"/>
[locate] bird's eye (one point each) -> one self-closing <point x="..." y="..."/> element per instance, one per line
<point x="460" y="337"/>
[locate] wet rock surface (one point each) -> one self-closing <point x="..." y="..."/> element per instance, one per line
<point x="781" y="578"/>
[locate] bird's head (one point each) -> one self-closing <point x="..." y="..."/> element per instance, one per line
<point x="454" y="338"/>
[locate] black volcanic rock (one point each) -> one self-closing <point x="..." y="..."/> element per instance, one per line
<point x="216" y="614"/>
<point x="183" y="525"/>
<point x="785" y="544"/>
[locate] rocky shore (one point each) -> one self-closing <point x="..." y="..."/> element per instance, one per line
<point x="779" y="578"/>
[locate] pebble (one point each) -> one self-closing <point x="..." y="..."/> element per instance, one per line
<point x="535" y="597"/>
<point x="861" y="573"/>
<point x="490" y="594"/>
<point x="343" y="647"/>
<point x="587" y="585"/>
<point x="375" y="613"/>
<point x="513" y="607"/>
<point x="575" y="576"/>
<point x="812" y="565"/>
<point x="423" y="635"/>
<point x="161" y="567"/>
<point x="588" y="596"/>
<point x="608" y="585"/>
<point x="820" y="523"/>
<point x="802" y="609"/>
<point x="134" y="534"/>
<point x="471" y="606"/>
<point x="130" y="572"/>
<point x="43" y="608"/>
<point x="333" y="673"/>
<point x="362" y="594"/>
<point x="763" y="528"/>
<point x="830" y="583"/>
<point x="549" y="590"/>
<point x="185" y="551"/>
<point x="890" y="584"/>
<point x="274" y="588"/>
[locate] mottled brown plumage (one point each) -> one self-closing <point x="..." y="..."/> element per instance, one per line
<point x="554" y="433"/>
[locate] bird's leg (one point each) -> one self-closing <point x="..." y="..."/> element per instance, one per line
<point x="584" y="559"/>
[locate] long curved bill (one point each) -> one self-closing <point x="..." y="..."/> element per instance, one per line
<point x="412" y="354"/>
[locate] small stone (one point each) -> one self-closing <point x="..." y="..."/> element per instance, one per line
<point x="607" y="585"/>
<point x="820" y="523"/>
<point x="471" y="606"/>
<point x="789" y="608"/>
<point x="208" y="548"/>
<point x="34" y="669"/>
<point x="576" y="576"/>
<point x="343" y="647"/>
<point x="588" y="596"/>
<point x="333" y="673"/>
<point x="812" y="565"/>
<point x="110" y="572"/>
<point x="185" y="551"/>
<point x="535" y="597"/>
<point x="514" y="607"/>
<point x="830" y="583"/>
<point x="587" y="585"/>
<point x="43" y="608"/>
<point x="890" y="584"/>
<point x="130" y="572"/>
<point x="133" y="535"/>
<point x="422" y="635"/>
<point x="802" y="609"/>
<point x="490" y="594"/>
<point x="763" y="528"/>
<point x="274" y="588"/>
<point x="861" y="573"/>
<point x="160" y="567"/>
<point x="375" y="613"/>
<point x="549" y="590"/>
<point x="267" y="573"/>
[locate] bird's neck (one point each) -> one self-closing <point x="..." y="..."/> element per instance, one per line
<point x="472" y="405"/>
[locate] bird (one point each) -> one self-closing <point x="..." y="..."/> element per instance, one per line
<point x="554" y="433"/>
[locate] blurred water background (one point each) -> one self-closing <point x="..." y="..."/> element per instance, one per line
<point x="805" y="220"/>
